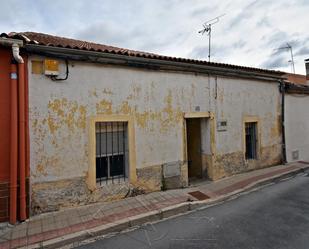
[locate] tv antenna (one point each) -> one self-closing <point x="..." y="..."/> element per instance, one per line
<point x="288" y="46"/>
<point x="207" y="29"/>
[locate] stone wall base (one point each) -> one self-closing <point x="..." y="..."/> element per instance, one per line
<point x="55" y="195"/>
<point x="235" y="163"/>
<point x="149" y="178"/>
<point x="52" y="196"/>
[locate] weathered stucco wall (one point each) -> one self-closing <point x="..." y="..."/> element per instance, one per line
<point x="59" y="113"/>
<point x="59" y="125"/>
<point x="297" y="127"/>
<point x="237" y="100"/>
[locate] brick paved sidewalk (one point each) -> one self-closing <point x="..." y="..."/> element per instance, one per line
<point x="70" y="222"/>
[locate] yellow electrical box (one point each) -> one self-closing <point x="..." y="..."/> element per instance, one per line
<point x="37" y="67"/>
<point x="51" y="67"/>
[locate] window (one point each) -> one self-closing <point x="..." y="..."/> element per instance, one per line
<point x="251" y="140"/>
<point x="111" y="151"/>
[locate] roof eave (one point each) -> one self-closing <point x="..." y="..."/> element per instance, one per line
<point x="149" y="63"/>
<point x="296" y="89"/>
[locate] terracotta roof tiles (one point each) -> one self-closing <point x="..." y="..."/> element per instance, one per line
<point x="57" y="41"/>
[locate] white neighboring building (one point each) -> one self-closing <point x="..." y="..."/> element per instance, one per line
<point x="297" y="122"/>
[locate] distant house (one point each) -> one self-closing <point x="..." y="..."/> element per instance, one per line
<point x="296" y="78"/>
<point x="88" y="122"/>
<point x="297" y="116"/>
<point x="296" y="121"/>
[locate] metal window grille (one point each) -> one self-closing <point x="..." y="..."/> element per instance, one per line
<point x="251" y="140"/>
<point x="111" y="152"/>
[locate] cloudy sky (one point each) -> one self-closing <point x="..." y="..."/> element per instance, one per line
<point x="248" y="34"/>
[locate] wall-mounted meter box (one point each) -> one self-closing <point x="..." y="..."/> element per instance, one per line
<point x="222" y="125"/>
<point x="51" y="67"/>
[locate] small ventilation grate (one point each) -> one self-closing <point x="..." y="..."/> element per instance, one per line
<point x="199" y="195"/>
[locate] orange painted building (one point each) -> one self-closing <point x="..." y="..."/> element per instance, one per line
<point x="5" y="67"/>
<point x="14" y="149"/>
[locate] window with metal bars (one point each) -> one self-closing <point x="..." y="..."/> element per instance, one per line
<point x="251" y="140"/>
<point x="111" y="152"/>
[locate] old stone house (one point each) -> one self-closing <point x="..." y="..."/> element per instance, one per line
<point x="93" y="122"/>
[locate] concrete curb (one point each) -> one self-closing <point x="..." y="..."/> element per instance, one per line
<point x="158" y="215"/>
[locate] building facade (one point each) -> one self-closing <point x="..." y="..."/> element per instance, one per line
<point x="163" y="129"/>
<point x="104" y="123"/>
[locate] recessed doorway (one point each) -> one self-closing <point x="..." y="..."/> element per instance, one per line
<point x="198" y="148"/>
<point x="194" y="148"/>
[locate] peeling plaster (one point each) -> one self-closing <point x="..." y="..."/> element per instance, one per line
<point x="59" y="116"/>
<point x="104" y="107"/>
<point x="62" y="112"/>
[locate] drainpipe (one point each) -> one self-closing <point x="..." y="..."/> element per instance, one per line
<point x="14" y="145"/>
<point x="282" y="90"/>
<point x="18" y="130"/>
<point x="22" y="134"/>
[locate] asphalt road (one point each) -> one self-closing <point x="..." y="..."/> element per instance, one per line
<point x="276" y="216"/>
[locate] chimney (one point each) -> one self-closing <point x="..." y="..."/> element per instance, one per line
<point x="307" y="70"/>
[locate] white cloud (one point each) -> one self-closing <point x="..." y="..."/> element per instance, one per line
<point x="247" y="35"/>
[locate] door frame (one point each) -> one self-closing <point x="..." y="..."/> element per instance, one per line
<point x="91" y="175"/>
<point x="212" y="120"/>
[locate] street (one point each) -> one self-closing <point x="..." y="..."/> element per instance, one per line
<point x="276" y="216"/>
